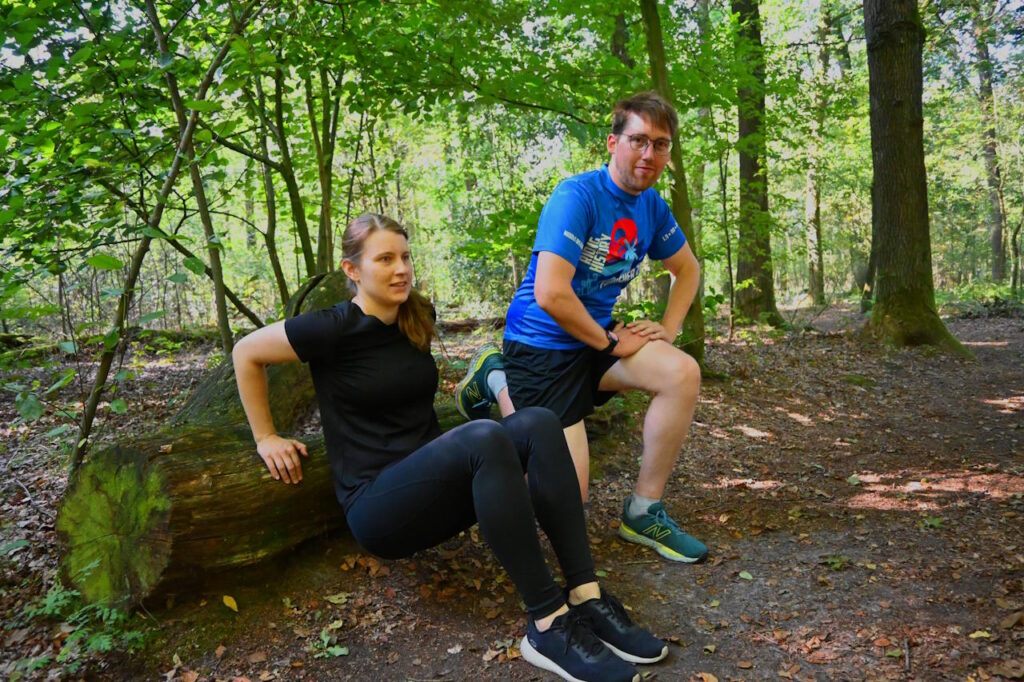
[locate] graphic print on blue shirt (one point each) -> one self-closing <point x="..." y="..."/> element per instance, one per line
<point x="606" y="233"/>
<point x="610" y="259"/>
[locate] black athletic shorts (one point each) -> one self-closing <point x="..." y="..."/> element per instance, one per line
<point x="564" y="381"/>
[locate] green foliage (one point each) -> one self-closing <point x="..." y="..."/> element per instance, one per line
<point x="92" y="630"/>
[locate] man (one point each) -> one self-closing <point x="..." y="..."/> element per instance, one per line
<point x="561" y="348"/>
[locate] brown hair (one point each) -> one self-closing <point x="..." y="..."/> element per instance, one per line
<point x="649" y="105"/>
<point x="416" y="314"/>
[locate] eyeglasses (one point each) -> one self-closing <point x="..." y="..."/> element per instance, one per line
<point x="638" y="143"/>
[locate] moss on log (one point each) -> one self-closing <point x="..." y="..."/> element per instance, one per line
<point x="171" y="507"/>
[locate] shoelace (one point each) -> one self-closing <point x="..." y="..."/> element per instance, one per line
<point x="578" y="630"/>
<point x="662" y="519"/>
<point x="618" y="611"/>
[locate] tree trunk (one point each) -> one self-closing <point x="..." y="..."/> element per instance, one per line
<point x="693" y="325"/>
<point x="904" y="312"/>
<point x="812" y="207"/>
<point x="992" y="171"/>
<point x="755" y="288"/>
<point x="287" y="171"/>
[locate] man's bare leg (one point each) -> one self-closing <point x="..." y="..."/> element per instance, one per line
<point x="673" y="379"/>
<point x="579" y="449"/>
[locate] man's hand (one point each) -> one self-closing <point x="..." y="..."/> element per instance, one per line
<point x="629" y="341"/>
<point x="650" y="330"/>
<point x="281" y="455"/>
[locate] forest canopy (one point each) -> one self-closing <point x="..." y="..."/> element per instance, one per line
<point x="183" y="165"/>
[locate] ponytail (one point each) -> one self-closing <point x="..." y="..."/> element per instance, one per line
<point x="416" y="320"/>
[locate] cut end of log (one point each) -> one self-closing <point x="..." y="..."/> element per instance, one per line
<point x="113" y="524"/>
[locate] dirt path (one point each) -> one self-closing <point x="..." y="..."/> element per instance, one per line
<point x="865" y="511"/>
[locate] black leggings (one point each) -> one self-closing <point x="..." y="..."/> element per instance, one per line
<point x="474" y="473"/>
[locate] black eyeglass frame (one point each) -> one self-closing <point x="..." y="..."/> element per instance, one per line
<point x="639" y="143"/>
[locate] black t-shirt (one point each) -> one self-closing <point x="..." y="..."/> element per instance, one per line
<point x="375" y="390"/>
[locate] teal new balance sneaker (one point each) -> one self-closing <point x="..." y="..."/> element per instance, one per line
<point x="473" y="397"/>
<point x="657" y="530"/>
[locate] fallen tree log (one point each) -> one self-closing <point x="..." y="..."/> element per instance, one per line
<point x="195" y="496"/>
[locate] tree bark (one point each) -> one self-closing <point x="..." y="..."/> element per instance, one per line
<point x="904" y="312"/>
<point x="755" y="286"/>
<point x="287" y="171"/>
<point x="693" y="325"/>
<point x="812" y="206"/>
<point x="993" y="180"/>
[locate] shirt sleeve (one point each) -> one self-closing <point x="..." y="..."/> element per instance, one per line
<point x="565" y="222"/>
<point x="315" y="336"/>
<point x="669" y="237"/>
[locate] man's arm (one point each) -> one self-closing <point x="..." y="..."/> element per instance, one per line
<point x="553" y="290"/>
<point x="686" y="270"/>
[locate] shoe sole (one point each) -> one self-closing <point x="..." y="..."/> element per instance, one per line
<point x="536" y="658"/>
<point x="474" y="365"/>
<point x="630" y="658"/>
<point x="630" y="535"/>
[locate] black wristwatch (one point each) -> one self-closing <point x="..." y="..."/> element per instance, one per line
<point x="612" y="342"/>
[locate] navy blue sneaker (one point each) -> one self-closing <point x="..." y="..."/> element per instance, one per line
<point x="607" y="618"/>
<point x="473" y="396"/>
<point x="570" y="650"/>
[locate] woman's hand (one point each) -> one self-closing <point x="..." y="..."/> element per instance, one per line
<point x="650" y="330"/>
<point x="281" y="455"/>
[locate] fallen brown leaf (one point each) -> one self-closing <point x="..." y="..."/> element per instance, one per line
<point x="257" y="657"/>
<point x="1011" y="620"/>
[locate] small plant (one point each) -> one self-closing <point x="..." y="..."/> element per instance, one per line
<point x="326" y="645"/>
<point x="931" y="522"/>
<point x="95" y="629"/>
<point x="837" y="562"/>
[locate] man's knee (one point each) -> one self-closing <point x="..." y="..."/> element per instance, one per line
<point x="680" y="372"/>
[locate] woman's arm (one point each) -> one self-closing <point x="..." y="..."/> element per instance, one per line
<point x="266" y="346"/>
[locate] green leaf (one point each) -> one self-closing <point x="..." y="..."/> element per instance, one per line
<point x="195" y="265"/>
<point x="746" y="575"/>
<point x="29" y="407"/>
<point x="103" y="261"/>
<point x="68" y="347"/>
<point x="12" y="546"/>
<point x="204" y="135"/>
<point x="58" y="431"/>
<point x="178" y="278"/>
<point x="81" y="55"/>
<point x="118" y="406"/>
<point x="203" y="105"/>
<point x="69" y="376"/>
<point x="853" y="480"/>
<point x="111" y="338"/>
<point x="149" y="317"/>
<point x="337" y="651"/>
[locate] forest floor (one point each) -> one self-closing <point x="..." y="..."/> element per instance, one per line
<point x="864" y="508"/>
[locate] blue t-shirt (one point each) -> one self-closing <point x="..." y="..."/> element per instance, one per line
<point x="606" y="232"/>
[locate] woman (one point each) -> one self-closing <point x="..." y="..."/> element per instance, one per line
<point x="406" y="487"/>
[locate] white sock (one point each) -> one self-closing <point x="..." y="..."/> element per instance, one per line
<point x="638" y="505"/>
<point x="497" y="382"/>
